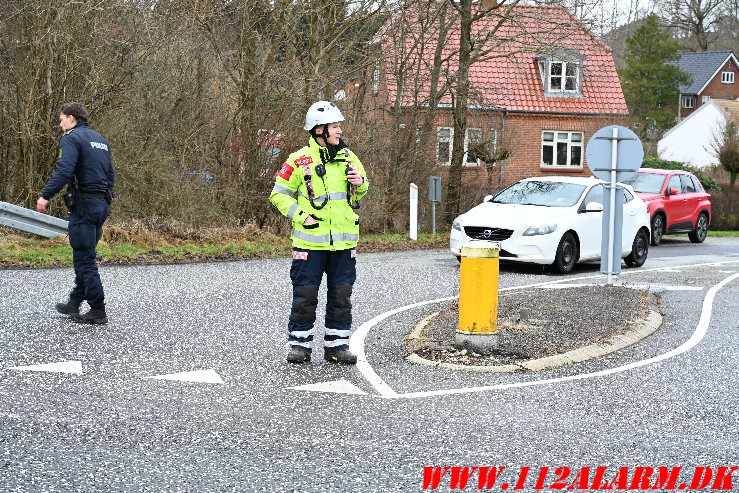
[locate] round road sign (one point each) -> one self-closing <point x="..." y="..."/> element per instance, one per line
<point x="629" y="153"/>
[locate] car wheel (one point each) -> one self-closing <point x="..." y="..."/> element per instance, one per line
<point x="701" y="229"/>
<point x="566" y="255"/>
<point x="639" y="250"/>
<point x="658" y="229"/>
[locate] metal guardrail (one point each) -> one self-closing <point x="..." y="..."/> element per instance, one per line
<point x="30" y="221"/>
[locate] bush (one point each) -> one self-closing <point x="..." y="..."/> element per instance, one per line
<point x="725" y="213"/>
<point x="709" y="184"/>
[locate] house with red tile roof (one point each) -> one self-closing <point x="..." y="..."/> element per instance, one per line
<point x="542" y="86"/>
<point x="715" y="75"/>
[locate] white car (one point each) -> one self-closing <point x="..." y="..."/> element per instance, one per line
<point x="553" y="220"/>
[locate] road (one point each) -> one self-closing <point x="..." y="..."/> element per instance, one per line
<point x="97" y="420"/>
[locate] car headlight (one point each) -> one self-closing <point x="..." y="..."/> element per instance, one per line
<point x="540" y="229"/>
<point x="457" y="224"/>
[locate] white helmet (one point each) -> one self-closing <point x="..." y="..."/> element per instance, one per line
<point x="321" y="113"/>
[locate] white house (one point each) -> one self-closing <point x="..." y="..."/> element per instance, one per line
<point x="690" y="140"/>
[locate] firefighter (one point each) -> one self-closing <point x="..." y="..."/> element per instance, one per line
<point x="319" y="188"/>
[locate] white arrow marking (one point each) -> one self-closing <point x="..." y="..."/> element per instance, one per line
<point x="199" y="376"/>
<point x="60" y="367"/>
<point x="337" y="386"/>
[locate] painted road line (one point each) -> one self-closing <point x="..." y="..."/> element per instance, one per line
<point x="74" y="367"/>
<point x="356" y="345"/>
<point x="337" y="387"/>
<point x="357" y="340"/>
<point x="197" y="376"/>
<point x="698" y="334"/>
<point x="650" y="287"/>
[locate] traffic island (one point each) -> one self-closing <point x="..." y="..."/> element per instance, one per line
<point x="542" y="328"/>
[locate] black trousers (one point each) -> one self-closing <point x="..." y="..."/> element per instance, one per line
<point x="85" y="231"/>
<point x="306" y="272"/>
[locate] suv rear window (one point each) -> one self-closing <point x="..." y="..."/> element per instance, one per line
<point x="688" y="185"/>
<point x="697" y="184"/>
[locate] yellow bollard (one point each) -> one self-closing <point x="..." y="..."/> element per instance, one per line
<point x="478" y="297"/>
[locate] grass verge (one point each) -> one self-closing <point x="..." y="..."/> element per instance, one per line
<point x="126" y="245"/>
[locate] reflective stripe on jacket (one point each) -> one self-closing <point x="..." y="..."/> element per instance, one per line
<point x="338" y="223"/>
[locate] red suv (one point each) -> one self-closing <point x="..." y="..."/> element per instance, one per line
<point x="676" y="202"/>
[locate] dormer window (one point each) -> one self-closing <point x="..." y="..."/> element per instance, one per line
<point x="561" y="72"/>
<point x="563" y="76"/>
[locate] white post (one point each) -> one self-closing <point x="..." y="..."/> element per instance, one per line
<point x="612" y="217"/>
<point x="414" y="211"/>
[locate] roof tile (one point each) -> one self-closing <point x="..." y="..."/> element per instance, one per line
<point x="510" y="78"/>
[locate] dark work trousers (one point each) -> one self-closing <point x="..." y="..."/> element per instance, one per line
<point x="306" y="272"/>
<point x="84" y="233"/>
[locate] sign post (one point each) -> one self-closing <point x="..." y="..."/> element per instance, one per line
<point x="434" y="197"/>
<point x="614" y="154"/>
<point x="414" y="211"/>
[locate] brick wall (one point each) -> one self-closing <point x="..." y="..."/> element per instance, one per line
<point x="522" y="134"/>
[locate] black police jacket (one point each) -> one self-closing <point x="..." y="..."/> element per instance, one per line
<point x="85" y="154"/>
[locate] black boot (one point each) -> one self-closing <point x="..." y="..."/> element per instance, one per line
<point x="342" y="356"/>
<point x="94" y="316"/>
<point x="71" y="307"/>
<point x="298" y="355"/>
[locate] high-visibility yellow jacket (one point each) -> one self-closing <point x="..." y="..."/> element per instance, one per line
<point x="338" y="223"/>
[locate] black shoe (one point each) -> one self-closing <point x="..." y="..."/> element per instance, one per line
<point x="342" y="356"/>
<point x="298" y="355"/>
<point x="94" y="316"/>
<point x="71" y="307"/>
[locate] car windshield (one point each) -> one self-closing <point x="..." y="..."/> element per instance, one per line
<point x="544" y="193"/>
<point x="647" y="182"/>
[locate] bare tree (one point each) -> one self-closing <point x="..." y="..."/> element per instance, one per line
<point x="54" y="51"/>
<point x="483" y="36"/>
<point x="694" y="21"/>
<point x="725" y="143"/>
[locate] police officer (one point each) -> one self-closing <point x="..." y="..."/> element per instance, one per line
<point x="319" y="188"/>
<point x="84" y="164"/>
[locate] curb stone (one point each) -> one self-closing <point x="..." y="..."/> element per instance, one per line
<point x="614" y="343"/>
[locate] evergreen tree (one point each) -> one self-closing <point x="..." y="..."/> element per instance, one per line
<point x="650" y="83"/>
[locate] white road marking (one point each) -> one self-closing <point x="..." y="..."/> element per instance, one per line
<point x="356" y="343"/>
<point x="198" y="376"/>
<point x="59" y="367"/>
<point x="337" y="386"/>
<point x="652" y="287"/>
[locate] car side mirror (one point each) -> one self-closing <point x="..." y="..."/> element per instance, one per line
<point x="593" y="207"/>
<point x="672" y="191"/>
<point x="487" y="198"/>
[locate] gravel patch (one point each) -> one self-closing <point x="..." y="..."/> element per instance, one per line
<point x="538" y="323"/>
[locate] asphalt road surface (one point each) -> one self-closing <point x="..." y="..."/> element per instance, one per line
<point x="187" y="388"/>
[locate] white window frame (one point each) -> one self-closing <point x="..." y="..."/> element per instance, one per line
<point x="727" y="77"/>
<point x="688" y="102"/>
<point x="705" y="99"/>
<point x="494" y="141"/>
<point x="376" y="77"/>
<point x="449" y="144"/>
<point x="417" y="131"/>
<point x="574" y="77"/>
<point x="563" y="137"/>
<point x="470" y="130"/>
